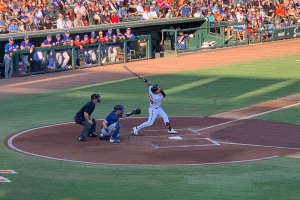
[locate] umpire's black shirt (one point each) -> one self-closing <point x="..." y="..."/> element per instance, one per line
<point x="88" y="108"/>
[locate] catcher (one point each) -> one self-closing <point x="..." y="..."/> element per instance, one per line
<point x="110" y="129"/>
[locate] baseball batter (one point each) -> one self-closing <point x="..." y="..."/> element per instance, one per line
<point x="156" y="95"/>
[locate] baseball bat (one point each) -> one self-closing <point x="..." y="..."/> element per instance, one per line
<point x="132" y="72"/>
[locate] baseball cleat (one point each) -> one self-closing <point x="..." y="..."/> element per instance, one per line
<point x="112" y="140"/>
<point x="135" y="131"/>
<point x="172" y="131"/>
<point x="82" y="139"/>
<point x="93" y="134"/>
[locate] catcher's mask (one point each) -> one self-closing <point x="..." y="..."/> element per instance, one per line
<point x="155" y="89"/>
<point x="96" y="96"/>
<point x="119" y="107"/>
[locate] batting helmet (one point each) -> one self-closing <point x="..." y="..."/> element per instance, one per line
<point x="155" y="88"/>
<point x="95" y="96"/>
<point x="119" y="107"/>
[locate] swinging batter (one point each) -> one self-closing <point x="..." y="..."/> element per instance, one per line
<point x="156" y="95"/>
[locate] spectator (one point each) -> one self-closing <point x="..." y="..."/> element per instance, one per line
<point x="13" y="27"/>
<point x="122" y="12"/>
<point x="114" y="18"/>
<point x="61" y="22"/>
<point x="24" y="19"/>
<point x="198" y="13"/>
<point x="69" y="23"/>
<point x="24" y="57"/>
<point x="280" y="11"/>
<point x="152" y="13"/>
<point x="47" y="24"/>
<point x="10" y="47"/>
<point x="3" y="26"/>
<point x="105" y="18"/>
<point x="58" y="5"/>
<point x="78" y="21"/>
<point x="286" y="23"/>
<point x="185" y="10"/>
<point x="132" y="11"/>
<point x="80" y="9"/>
<point x="170" y="13"/>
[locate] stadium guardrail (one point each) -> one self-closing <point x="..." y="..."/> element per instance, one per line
<point x="217" y="36"/>
<point x="44" y="59"/>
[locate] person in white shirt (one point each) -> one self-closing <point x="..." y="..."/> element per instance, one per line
<point x="80" y="9"/>
<point x="152" y="13"/>
<point x="140" y="8"/>
<point x="60" y="22"/>
<point x="69" y="23"/>
<point x="156" y="95"/>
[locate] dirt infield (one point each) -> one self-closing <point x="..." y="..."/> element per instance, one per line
<point x="201" y="140"/>
<point x="222" y="141"/>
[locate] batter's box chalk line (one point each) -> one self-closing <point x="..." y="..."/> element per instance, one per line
<point x="212" y="143"/>
<point x="190" y="132"/>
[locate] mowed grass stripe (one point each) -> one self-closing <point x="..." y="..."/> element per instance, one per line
<point x="266" y="89"/>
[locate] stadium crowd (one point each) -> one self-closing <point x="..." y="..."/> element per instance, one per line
<point x="32" y="15"/>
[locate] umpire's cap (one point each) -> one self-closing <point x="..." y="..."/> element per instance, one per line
<point x="155" y="88"/>
<point x="119" y="107"/>
<point x="95" y="96"/>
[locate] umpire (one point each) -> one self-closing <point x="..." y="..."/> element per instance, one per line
<point x="83" y="117"/>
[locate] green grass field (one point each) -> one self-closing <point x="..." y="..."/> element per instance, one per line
<point x="198" y="93"/>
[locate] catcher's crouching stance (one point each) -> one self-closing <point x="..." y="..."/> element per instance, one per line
<point x="110" y="129"/>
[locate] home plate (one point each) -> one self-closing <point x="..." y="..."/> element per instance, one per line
<point x="175" y="138"/>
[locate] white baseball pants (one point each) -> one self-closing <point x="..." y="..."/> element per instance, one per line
<point x="153" y="113"/>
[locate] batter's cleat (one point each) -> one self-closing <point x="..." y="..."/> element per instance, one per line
<point x="172" y="131"/>
<point x="112" y="140"/>
<point x="135" y="131"/>
<point x="82" y="139"/>
<point x="93" y="134"/>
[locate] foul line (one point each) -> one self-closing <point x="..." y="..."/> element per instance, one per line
<point x="259" y="145"/>
<point x="248" y="117"/>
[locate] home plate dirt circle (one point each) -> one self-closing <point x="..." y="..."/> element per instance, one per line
<point x="199" y="141"/>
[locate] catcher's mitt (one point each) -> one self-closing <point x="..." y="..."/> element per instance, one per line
<point x="136" y="111"/>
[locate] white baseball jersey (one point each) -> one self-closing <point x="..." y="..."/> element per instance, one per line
<point x="155" y="99"/>
<point x="154" y="110"/>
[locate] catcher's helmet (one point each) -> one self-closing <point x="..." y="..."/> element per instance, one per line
<point x="95" y="96"/>
<point x="155" y="88"/>
<point x="119" y="107"/>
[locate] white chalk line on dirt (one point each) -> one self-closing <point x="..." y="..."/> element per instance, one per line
<point x="248" y="117"/>
<point x="259" y="145"/>
<point x="112" y="164"/>
<point x="212" y="143"/>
